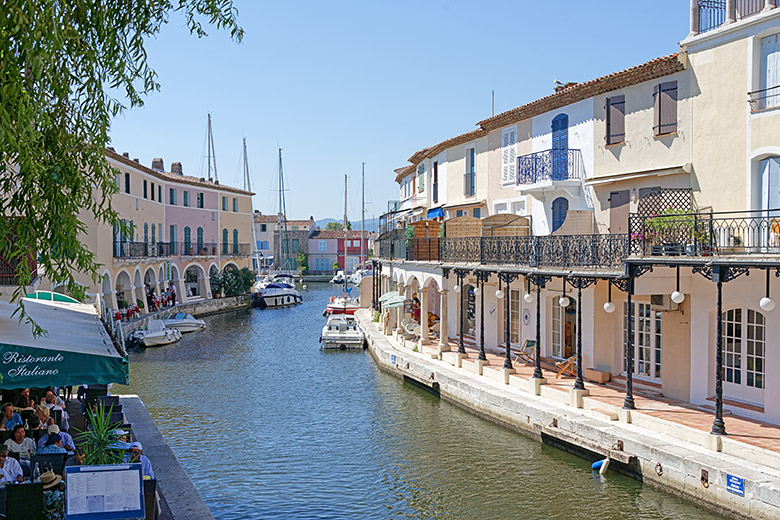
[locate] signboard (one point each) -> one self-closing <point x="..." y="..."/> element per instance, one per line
<point x="408" y="306"/>
<point x="735" y="485"/>
<point x="392" y="358"/>
<point x="104" y="492"/>
<point x="167" y="269"/>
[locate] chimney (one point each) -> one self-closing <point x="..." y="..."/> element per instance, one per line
<point x="111" y="149"/>
<point x="176" y="168"/>
<point x="158" y="164"/>
<point x="136" y="160"/>
<point x="126" y="155"/>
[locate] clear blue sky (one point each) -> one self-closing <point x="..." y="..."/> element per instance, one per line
<point x="338" y="83"/>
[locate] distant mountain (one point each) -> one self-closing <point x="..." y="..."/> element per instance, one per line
<point x="372" y="224"/>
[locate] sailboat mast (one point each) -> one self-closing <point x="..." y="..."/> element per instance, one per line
<point x="248" y="187"/>
<point x="212" y="154"/>
<point x="283" y="213"/>
<point x="363" y="218"/>
<point x="345" y="234"/>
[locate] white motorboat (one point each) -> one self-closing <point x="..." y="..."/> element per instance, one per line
<point x="342" y="305"/>
<point x="276" y="294"/>
<point x="156" y="334"/>
<point x="338" y="278"/>
<point x="183" y="322"/>
<point x="342" y="332"/>
<point x="356" y="277"/>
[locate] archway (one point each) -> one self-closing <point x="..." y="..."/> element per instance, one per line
<point x="124" y="289"/>
<point x="195" y="281"/>
<point x="106" y="293"/>
<point x="138" y="290"/>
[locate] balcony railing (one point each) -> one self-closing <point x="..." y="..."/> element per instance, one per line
<point x="197" y="249"/>
<point x="706" y="234"/>
<point x="142" y="249"/>
<point x="235" y="249"/>
<point x="606" y="251"/>
<point x="549" y="165"/>
<point x="712" y="13"/>
<point x="9" y="269"/>
<point x="763" y="99"/>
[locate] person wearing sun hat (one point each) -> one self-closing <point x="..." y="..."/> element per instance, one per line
<point x="67" y="440"/>
<point x="53" y="497"/>
<point x="136" y="455"/>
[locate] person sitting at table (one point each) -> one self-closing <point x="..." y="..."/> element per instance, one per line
<point x="136" y="455"/>
<point x="67" y="440"/>
<point x="44" y="416"/>
<point x="53" y="495"/>
<point x="10" y="418"/>
<point x="10" y="469"/>
<point x="24" y="400"/>
<point x="19" y="442"/>
<point x="416" y="308"/>
<point x="53" y="445"/>
<point x="52" y="400"/>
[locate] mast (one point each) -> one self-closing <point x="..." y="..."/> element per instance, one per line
<point x="363" y="219"/>
<point x="283" y="213"/>
<point x="248" y="187"/>
<point x="212" y="155"/>
<point x="345" y="237"/>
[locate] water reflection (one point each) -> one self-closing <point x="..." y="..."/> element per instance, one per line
<point x="268" y="426"/>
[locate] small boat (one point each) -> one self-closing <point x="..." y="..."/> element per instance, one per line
<point x="156" y="334"/>
<point x="342" y="332"/>
<point x="342" y="305"/>
<point x="183" y="322"/>
<point x="356" y="277"/>
<point x="276" y="294"/>
<point x="338" y="278"/>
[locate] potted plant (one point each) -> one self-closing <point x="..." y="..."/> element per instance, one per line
<point x="670" y="230"/>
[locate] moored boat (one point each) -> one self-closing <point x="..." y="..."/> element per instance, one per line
<point x="342" y="305"/>
<point x="342" y="332"/>
<point x="156" y="334"/>
<point x="276" y="294"/>
<point x="183" y="322"/>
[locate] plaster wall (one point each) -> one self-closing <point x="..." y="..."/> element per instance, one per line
<point x="499" y="194"/>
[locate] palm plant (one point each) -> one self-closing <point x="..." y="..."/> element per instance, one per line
<point x="98" y="438"/>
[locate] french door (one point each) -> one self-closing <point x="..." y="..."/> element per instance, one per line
<point x="647" y="344"/>
<point x="744" y="355"/>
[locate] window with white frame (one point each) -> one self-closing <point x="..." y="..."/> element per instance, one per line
<point x="469" y="177"/>
<point x="508" y="155"/>
<point x="770" y="72"/>
<point x="647" y="339"/>
<point x="514" y="317"/>
<point x="500" y="208"/>
<point x="421" y="177"/>
<point x="322" y="245"/>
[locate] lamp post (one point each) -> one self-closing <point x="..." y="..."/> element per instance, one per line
<point x="580" y="284"/>
<point x="539" y="281"/>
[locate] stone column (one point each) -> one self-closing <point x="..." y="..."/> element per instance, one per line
<point x="399" y="312"/>
<point x="731" y="11"/>
<point x="423" y="314"/>
<point x="769" y="4"/>
<point x="444" y="345"/>
<point x="694" y="18"/>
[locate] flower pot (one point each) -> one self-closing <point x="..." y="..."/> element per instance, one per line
<point x="673" y="249"/>
<point x="656" y="250"/>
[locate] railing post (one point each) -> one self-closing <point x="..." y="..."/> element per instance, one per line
<point x="712" y="235"/>
<point x="769" y="4"/>
<point x="731" y="11"/>
<point x="694" y="18"/>
<point x="481" y="250"/>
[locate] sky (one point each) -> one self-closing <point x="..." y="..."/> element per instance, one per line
<point x="337" y="84"/>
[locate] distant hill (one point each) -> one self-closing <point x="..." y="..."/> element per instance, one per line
<point x="372" y="224"/>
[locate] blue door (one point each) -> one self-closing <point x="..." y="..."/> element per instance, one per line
<point x="559" y="208"/>
<point x="560" y="147"/>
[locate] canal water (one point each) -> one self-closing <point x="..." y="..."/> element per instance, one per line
<point x="269" y="426"/>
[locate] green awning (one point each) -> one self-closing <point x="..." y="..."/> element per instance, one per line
<point x="387" y="296"/>
<point x="75" y="350"/>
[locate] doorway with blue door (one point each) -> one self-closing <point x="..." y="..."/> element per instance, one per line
<point x="560" y="147"/>
<point x="560" y="207"/>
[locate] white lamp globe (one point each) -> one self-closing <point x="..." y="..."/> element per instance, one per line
<point x="476" y="291"/>
<point x="563" y="301"/>
<point x="499" y="294"/>
<point x="678" y="297"/>
<point x="529" y="298"/>
<point x="457" y="288"/>
<point x="767" y="304"/>
<point x="609" y="307"/>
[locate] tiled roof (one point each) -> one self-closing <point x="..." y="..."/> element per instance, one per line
<point x="173" y="177"/>
<point x="330" y="233"/>
<point x="656" y="68"/>
<point x="265" y="219"/>
<point x="400" y="173"/>
<point x="300" y="223"/>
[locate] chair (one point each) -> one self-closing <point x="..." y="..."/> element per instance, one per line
<point x="527" y="352"/>
<point x="108" y="400"/>
<point x="54" y="460"/>
<point x="56" y="414"/>
<point x="24" y="502"/>
<point x="568" y="365"/>
<point x="150" y="499"/>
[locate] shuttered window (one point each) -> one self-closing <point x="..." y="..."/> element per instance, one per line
<point x="665" y="104"/>
<point x="770" y="71"/>
<point x="421" y="177"/>
<point x="616" y="119"/>
<point x="508" y="155"/>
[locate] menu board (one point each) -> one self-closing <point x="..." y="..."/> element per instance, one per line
<point x="104" y="492"/>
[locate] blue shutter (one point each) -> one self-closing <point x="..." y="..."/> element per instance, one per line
<point x="559" y="208"/>
<point x="560" y="147"/>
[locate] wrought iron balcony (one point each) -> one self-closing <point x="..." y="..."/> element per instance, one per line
<point x="712" y="13"/>
<point x="605" y="251"/>
<point x="10" y="269"/>
<point x="550" y="165"/>
<point x="126" y="249"/>
<point x="763" y="99"/>
<point x="706" y="234"/>
<point x="236" y="249"/>
<point x="197" y="249"/>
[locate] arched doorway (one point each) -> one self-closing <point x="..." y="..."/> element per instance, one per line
<point x="195" y="281"/>
<point x="106" y="293"/>
<point x="560" y="207"/>
<point x="124" y="290"/>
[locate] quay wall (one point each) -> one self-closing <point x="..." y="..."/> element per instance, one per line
<point x="197" y="308"/>
<point x="665" y="460"/>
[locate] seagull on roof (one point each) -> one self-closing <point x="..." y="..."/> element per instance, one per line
<point x="557" y="83"/>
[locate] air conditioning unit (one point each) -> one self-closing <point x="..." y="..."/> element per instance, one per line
<point x="663" y="303"/>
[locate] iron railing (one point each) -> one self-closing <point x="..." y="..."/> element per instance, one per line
<point x="9" y="269"/>
<point x="550" y="165"/>
<point x="712" y="13"/>
<point x="606" y="251"/>
<point x="763" y="99"/>
<point x="706" y="234"/>
<point x="125" y="249"/>
<point x="236" y="249"/>
<point x="197" y="248"/>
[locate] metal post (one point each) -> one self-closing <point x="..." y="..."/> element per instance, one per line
<point x="628" y="402"/>
<point x="461" y="347"/>
<point x="718" y="426"/>
<point x="443" y="333"/>
<point x="507" y="300"/>
<point x="482" y="356"/>
<point x="538" y="354"/>
<point x="694" y="18"/>
<point x="731" y="11"/>
<point x="578" y="384"/>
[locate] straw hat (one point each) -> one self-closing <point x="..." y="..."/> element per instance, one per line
<point x="49" y="479"/>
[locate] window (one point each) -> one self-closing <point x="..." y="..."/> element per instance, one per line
<point x="200" y="240"/>
<point x="770" y="72"/>
<point x="508" y="155"/>
<point x="152" y="192"/>
<point x="435" y="182"/>
<point x="616" y="119"/>
<point x="224" y="203"/>
<point x="294" y="245"/>
<point x="459" y="213"/>
<point x="154" y="240"/>
<point x="159" y="193"/>
<point x="235" y="205"/>
<point x="172" y="239"/>
<point x="647" y="339"/>
<point x="322" y="245"/>
<point x="187" y="241"/>
<point x="172" y="197"/>
<point x="744" y="354"/>
<point x="200" y="200"/>
<point x="665" y="105"/>
<point x="263" y="227"/>
<point x="118" y="178"/>
<point x="421" y="177"/>
<point x="146" y="192"/>
<point x="264" y="245"/>
<point x="469" y="184"/>
<point x="477" y="213"/>
<point x="235" y="241"/>
<point x="224" y="241"/>
<point x="127" y="183"/>
<point x="146" y="232"/>
<point x="185" y="198"/>
<point x="514" y="317"/>
<point x="294" y="228"/>
<point x="560" y="207"/>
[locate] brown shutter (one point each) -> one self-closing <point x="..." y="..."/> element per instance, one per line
<point x="616" y="115"/>
<point x="657" y="110"/>
<point x="668" y="107"/>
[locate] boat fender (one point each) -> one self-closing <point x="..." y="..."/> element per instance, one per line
<point x="600" y="466"/>
<point x="332" y="299"/>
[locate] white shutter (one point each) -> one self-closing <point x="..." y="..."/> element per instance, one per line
<point x="770" y="69"/>
<point x="508" y="155"/>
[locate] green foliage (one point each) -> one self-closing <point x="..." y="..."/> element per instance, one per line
<point x="215" y="279"/>
<point x="335" y="266"/>
<point x="140" y="303"/>
<point x="337" y="226"/>
<point x="95" y="440"/>
<point x="66" y="70"/>
<point x="122" y="304"/>
<point x="232" y="282"/>
<point x="376" y="316"/>
<point x="303" y="261"/>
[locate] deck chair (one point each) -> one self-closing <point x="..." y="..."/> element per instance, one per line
<point x="568" y="365"/>
<point x="527" y="352"/>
